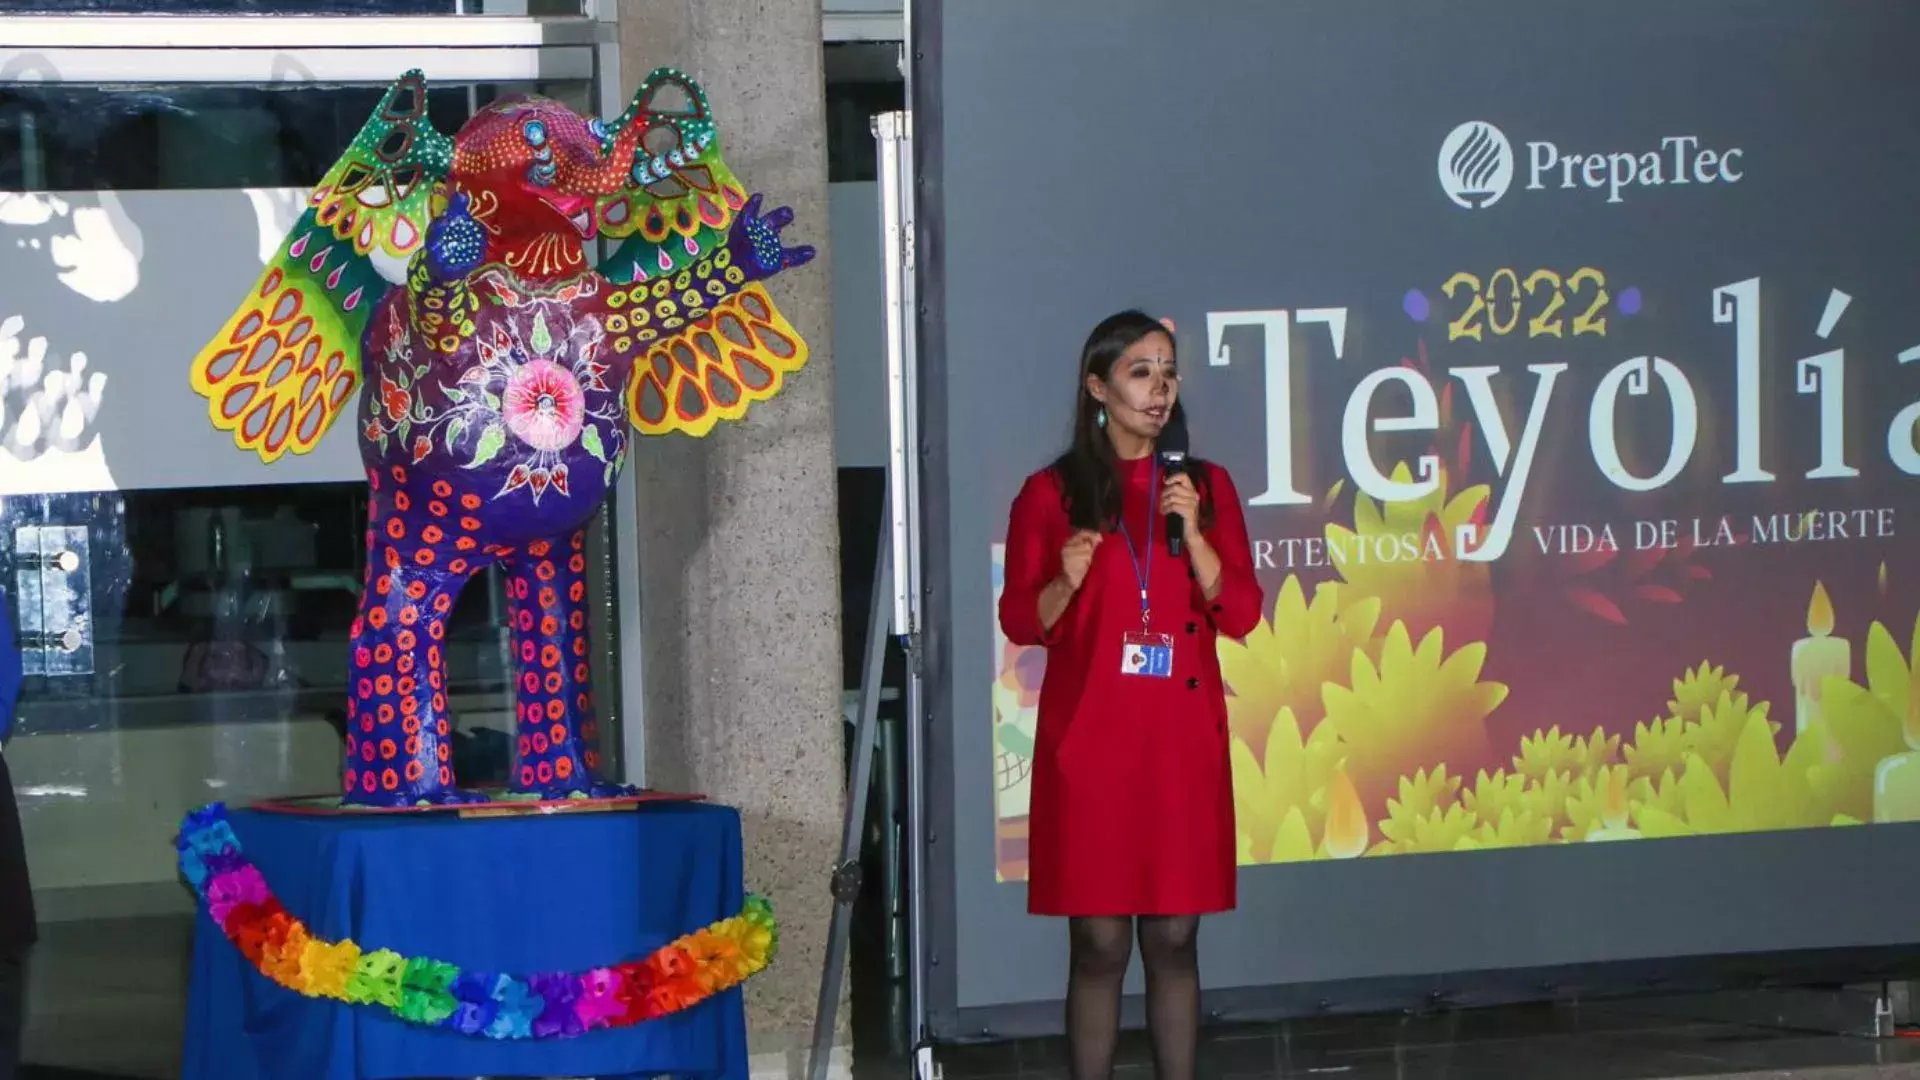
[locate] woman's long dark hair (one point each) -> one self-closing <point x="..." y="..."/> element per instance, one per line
<point x="1089" y="480"/>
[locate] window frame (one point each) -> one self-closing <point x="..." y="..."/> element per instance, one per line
<point x="354" y="49"/>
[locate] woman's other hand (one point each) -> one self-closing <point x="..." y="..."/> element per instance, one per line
<point x="1077" y="556"/>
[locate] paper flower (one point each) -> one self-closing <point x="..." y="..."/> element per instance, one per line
<point x="559" y="993"/>
<point x="233" y="888"/>
<point x="425" y="991"/>
<point x="376" y="980"/>
<point x="325" y="967"/>
<point x="437" y="994"/>
<point x="599" y="1004"/>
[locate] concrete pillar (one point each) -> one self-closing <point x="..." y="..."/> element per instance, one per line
<point x="740" y="571"/>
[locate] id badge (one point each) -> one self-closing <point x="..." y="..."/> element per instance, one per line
<point x="1147" y="656"/>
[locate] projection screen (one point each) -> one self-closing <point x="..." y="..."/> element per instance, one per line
<point x="1561" y="355"/>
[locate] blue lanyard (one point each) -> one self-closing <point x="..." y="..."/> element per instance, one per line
<point x="1143" y="567"/>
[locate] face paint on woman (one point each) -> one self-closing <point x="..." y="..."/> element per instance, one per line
<point x="1140" y="390"/>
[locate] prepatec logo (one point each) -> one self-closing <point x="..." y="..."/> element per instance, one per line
<point x="1477" y="166"/>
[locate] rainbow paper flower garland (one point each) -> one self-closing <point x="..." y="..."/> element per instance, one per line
<point x="433" y="993"/>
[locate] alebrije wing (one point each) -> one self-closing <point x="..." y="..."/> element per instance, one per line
<point x="736" y="353"/>
<point x="287" y="363"/>
<point x="683" y="197"/>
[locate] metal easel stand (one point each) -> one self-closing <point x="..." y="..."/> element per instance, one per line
<point x="847" y="874"/>
<point x="896" y="578"/>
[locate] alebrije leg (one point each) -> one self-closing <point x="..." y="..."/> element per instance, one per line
<point x="399" y="735"/>
<point x="547" y="594"/>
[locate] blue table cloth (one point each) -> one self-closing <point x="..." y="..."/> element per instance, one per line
<point x="531" y="894"/>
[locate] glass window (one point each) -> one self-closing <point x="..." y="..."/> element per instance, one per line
<point x="87" y="137"/>
<point x="217" y="592"/>
<point x="863" y="81"/>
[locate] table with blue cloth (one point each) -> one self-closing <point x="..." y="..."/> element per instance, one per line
<point x="557" y="893"/>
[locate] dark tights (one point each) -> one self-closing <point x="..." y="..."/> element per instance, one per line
<point x="1101" y="948"/>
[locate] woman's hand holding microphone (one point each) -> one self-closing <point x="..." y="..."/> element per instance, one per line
<point x="1179" y="496"/>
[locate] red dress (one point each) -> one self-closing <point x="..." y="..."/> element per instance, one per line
<point x="1132" y="808"/>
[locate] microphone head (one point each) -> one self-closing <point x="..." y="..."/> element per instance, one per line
<point x="1172" y="443"/>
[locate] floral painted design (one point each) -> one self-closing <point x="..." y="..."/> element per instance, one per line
<point x="544" y="406"/>
<point x="529" y="398"/>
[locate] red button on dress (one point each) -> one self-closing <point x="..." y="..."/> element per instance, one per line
<point x="1132" y="807"/>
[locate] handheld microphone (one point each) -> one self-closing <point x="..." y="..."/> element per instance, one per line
<point x="1172" y="448"/>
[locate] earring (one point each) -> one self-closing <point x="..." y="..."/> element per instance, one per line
<point x="1100" y="418"/>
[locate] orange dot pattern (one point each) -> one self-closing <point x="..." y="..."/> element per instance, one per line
<point x="425" y="540"/>
<point x="554" y="703"/>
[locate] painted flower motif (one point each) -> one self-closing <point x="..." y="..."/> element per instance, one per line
<point x="544" y="406"/>
<point x="397" y="399"/>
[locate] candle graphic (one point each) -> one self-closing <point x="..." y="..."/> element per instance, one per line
<point x="1896" y="780"/>
<point x="1346" y="829"/>
<point x="1817" y="657"/>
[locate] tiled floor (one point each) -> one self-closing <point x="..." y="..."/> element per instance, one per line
<point x="128" y="976"/>
<point x="1591" y="1042"/>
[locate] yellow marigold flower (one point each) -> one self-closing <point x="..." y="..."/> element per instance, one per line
<point x="1699" y="688"/>
<point x="1416" y="708"/>
<point x="1439" y="830"/>
<point x="1763" y="791"/>
<point x="1436" y="590"/>
<point x="1492" y="794"/>
<point x="1546" y="797"/>
<point x="1293" y="777"/>
<point x="1522" y="829"/>
<point x="1424" y="791"/>
<point x="1658" y="746"/>
<point x="1596" y="751"/>
<point x="1420" y="795"/>
<point x="1600" y="801"/>
<point x="1285" y="660"/>
<point x="1664" y="796"/>
<point x="1713" y="738"/>
<point x="1292" y="842"/>
<point x="1545" y="752"/>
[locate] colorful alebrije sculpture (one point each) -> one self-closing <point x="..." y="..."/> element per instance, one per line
<point x="446" y="280"/>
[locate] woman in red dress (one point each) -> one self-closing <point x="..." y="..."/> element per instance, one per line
<point x="1132" y="812"/>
